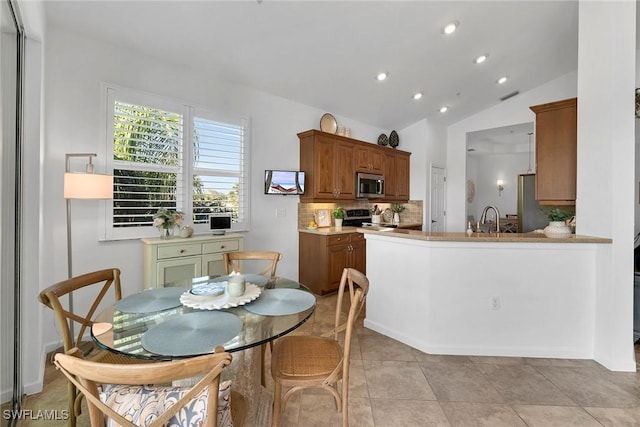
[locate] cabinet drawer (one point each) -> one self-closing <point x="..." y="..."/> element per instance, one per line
<point x="337" y="239"/>
<point x="357" y="237"/>
<point x="224" y="246"/>
<point x="165" y="252"/>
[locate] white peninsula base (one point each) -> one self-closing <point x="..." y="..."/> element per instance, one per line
<point x="485" y="298"/>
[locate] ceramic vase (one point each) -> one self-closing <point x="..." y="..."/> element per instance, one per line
<point x="557" y="230"/>
<point x="338" y="222"/>
<point x="396" y="218"/>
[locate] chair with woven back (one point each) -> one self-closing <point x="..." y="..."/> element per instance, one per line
<point x="102" y="282"/>
<point x="268" y="261"/>
<point x="305" y="361"/>
<point x="122" y="395"/>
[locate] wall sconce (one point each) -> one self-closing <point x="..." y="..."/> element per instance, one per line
<point x="500" y="184"/>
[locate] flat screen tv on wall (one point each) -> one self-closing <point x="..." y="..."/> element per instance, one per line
<point x="283" y="182"/>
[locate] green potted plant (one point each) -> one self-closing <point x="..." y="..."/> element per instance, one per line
<point x="338" y="216"/>
<point x="558" y="227"/>
<point x="396" y="208"/>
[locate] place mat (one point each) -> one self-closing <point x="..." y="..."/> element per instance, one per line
<point x="221" y="301"/>
<point x="192" y="333"/>
<point x="151" y="300"/>
<point x="281" y="302"/>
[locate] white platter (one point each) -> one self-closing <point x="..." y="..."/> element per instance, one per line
<point x="222" y="301"/>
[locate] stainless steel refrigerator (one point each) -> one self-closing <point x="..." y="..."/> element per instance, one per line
<point x="530" y="216"/>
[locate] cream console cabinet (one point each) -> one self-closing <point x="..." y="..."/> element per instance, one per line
<point x="177" y="261"/>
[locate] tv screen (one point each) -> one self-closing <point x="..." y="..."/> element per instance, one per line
<point x="283" y="182"/>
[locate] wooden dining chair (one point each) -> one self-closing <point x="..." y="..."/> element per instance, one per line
<point x="233" y="260"/>
<point x="127" y="395"/>
<point x="101" y="283"/>
<point x="300" y="361"/>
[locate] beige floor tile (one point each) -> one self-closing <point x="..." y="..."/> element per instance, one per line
<point x="466" y="414"/>
<point x="407" y="413"/>
<point x="555" y="416"/>
<point x="320" y="410"/>
<point x="460" y="382"/>
<point x="616" y="417"/>
<point x="567" y="363"/>
<point x="522" y="384"/>
<point x="396" y="380"/>
<point x="379" y="347"/>
<point x="589" y="387"/>
<point x="357" y="380"/>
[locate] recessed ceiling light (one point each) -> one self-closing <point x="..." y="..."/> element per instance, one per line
<point x="450" y="28"/>
<point x="417" y="95"/>
<point x="382" y="76"/>
<point x="502" y="80"/>
<point x="480" y="59"/>
<point x="444" y="109"/>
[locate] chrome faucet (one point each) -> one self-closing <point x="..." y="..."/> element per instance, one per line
<point x="483" y="217"/>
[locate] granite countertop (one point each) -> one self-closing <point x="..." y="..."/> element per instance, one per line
<point x="480" y="237"/>
<point x="346" y="230"/>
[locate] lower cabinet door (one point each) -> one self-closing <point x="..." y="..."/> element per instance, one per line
<point x="212" y="265"/>
<point x="338" y="259"/>
<point x="359" y="256"/>
<point x="179" y="272"/>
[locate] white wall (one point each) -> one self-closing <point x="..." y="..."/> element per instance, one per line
<point x="486" y="170"/>
<point x="605" y="176"/>
<point x="426" y="140"/>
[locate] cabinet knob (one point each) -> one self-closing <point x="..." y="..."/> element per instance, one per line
<point x="222" y="246"/>
<point x="181" y="251"/>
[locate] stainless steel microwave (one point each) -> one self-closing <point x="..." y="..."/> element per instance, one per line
<point x="369" y="185"/>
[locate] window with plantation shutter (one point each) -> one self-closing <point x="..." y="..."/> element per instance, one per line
<point x="170" y="155"/>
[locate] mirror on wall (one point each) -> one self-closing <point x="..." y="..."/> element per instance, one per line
<point x="495" y="158"/>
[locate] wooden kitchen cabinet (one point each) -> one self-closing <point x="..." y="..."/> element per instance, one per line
<point x="556" y="152"/>
<point x="330" y="163"/>
<point x="322" y="258"/>
<point x="369" y="159"/>
<point x="177" y="261"/>
<point x="396" y="176"/>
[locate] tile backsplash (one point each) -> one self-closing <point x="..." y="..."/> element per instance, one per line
<point x="412" y="213"/>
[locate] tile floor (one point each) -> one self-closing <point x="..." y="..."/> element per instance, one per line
<point x="394" y="385"/>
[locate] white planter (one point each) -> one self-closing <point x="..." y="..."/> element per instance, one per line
<point x="338" y="222"/>
<point x="396" y="218"/>
<point x="557" y="230"/>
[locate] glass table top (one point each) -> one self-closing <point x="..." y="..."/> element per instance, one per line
<point x="156" y="324"/>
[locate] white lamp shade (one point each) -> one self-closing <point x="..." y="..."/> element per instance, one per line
<point x="87" y="186"/>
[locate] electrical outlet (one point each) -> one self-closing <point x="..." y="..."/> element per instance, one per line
<point x="495" y="303"/>
<point x="281" y="213"/>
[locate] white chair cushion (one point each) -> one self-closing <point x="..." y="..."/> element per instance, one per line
<point x="142" y="404"/>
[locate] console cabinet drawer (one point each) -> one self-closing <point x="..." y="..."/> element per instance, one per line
<point x="174" y="251"/>
<point x="224" y="246"/>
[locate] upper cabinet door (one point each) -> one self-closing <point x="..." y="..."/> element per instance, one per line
<point x="556" y="152"/>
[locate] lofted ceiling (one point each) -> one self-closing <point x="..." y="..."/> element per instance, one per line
<point x="326" y="54"/>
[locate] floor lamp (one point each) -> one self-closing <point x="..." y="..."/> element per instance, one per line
<point x="82" y="185"/>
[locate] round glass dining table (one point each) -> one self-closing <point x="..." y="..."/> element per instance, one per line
<point x="162" y="323"/>
<point x="157" y="325"/>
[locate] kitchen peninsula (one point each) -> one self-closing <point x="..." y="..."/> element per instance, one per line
<point x="486" y="294"/>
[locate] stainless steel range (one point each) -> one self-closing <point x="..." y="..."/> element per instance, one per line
<point x="356" y="217"/>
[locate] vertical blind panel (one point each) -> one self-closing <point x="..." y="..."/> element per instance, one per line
<point x="217" y="146"/>
<point x="137" y="196"/>
<point x="217" y="194"/>
<point x="146" y="135"/>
